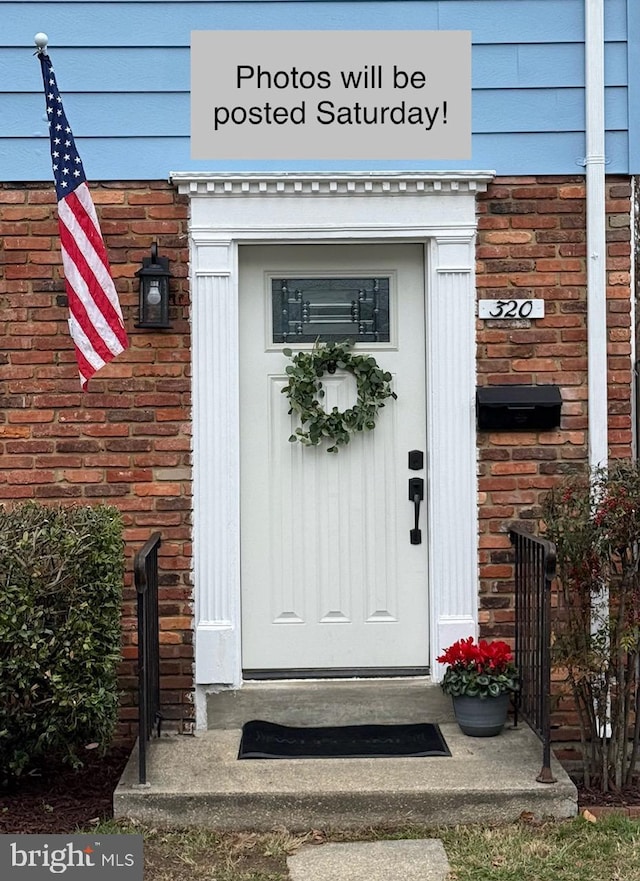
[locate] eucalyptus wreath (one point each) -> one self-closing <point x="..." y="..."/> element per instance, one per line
<point x="304" y="392"/>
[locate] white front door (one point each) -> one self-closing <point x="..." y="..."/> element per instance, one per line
<point x="330" y="579"/>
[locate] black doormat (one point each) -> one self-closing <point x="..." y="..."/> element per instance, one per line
<point x="264" y="740"/>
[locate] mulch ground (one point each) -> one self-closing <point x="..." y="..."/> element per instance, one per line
<point x="61" y="800"/>
<point x="628" y="798"/>
<point x="626" y="803"/>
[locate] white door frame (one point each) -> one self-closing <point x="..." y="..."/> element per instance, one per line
<point x="228" y="209"/>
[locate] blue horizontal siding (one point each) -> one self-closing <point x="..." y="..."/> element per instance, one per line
<point x="553" y="65"/>
<point x="155" y="158"/>
<point x="542" y="110"/>
<point x="131" y="23"/>
<point x="633" y="91"/>
<point x="146" y="69"/>
<point x="133" y="115"/>
<point x="129" y="104"/>
<point x="542" y="64"/>
<point x="105" y="115"/>
<point x="529" y="21"/>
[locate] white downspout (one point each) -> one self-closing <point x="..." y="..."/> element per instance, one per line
<point x="596" y="265"/>
<point x="596" y="238"/>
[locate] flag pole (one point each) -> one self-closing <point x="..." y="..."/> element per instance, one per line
<point x="96" y="324"/>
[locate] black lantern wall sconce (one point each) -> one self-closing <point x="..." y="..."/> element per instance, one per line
<point x="154" y="291"/>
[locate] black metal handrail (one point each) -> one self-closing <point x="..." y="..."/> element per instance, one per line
<point x="145" y="568"/>
<point x="535" y="569"/>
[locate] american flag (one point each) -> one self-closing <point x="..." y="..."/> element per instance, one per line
<point x="95" y="316"/>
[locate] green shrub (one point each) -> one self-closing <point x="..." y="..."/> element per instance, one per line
<point x="61" y="573"/>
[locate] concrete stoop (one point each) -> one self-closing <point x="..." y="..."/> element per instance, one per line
<point x="199" y="781"/>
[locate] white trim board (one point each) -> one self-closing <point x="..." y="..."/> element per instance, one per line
<point x="437" y="209"/>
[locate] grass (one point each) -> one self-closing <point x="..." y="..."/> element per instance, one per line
<point x="608" y="850"/>
<point x="575" y="850"/>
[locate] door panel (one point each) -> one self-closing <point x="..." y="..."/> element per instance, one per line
<point x="329" y="577"/>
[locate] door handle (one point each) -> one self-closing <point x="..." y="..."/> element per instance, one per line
<point x="416" y="495"/>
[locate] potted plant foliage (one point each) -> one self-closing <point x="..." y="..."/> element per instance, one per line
<point x="480" y="679"/>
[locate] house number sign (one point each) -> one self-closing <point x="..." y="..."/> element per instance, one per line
<point x="510" y="309"/>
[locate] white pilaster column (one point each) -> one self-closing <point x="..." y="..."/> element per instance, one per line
<point x="451" y="384"/>
<point x="216" y="461"/>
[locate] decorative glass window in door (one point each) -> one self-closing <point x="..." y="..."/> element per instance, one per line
<point x="330" y="310"/>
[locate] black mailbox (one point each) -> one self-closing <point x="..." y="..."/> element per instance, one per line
<point x="518" y="407"/>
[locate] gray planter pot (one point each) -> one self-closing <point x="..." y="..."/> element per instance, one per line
<point x="481" y="716"/>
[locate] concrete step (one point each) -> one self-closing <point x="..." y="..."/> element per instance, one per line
<point x="199" y="781"/>
<point x="402" y="700"/>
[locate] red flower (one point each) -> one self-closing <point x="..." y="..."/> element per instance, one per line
<point x="487" y="656"/>
<point x="478" y="670"/>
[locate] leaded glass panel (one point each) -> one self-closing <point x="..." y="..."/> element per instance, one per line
<point x="330" y="310"/>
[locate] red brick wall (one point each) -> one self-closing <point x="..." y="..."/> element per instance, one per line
<point x="126" y="440"/>
<point x="532" y="243"/>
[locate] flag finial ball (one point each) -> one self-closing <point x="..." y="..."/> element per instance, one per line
<point x="41" y="40"/>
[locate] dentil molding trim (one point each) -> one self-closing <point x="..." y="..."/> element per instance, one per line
<point x="329" y="183"/>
